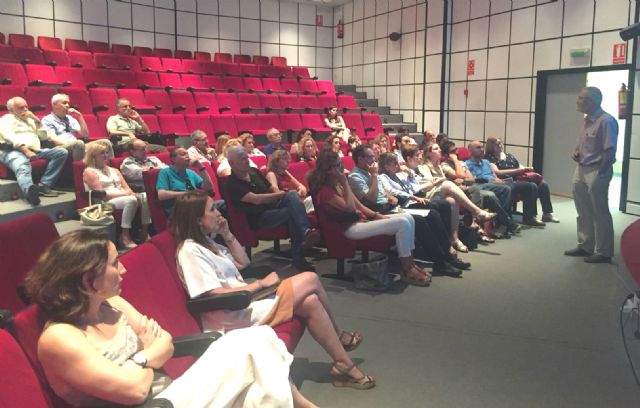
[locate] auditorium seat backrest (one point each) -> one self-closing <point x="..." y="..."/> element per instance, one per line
<point x="76" y="45"/>
<point x="21" y="40"/>
<point x="122" y="49"/>
<point x="202" y="56"/>
<point x="182" y="54"/>
<point x="162" y="53"/>
<point x="142" y="51"/>
<point x="55" y="57"/>
<point x="98" y="46"/>
<point x="49" y="43"/>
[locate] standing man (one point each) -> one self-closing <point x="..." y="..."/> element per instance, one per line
<point x="127" y="125"/>
<point x="595" y="154"/>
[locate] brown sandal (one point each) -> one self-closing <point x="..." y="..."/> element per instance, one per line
<point x="345" y="380"/>
<point x="423" y="280"/>
<point x="354" y="340"/>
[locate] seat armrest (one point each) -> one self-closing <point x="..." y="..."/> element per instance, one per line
<point x="37" y="108"/>
<point x="229" y="301"/>
<point x="179" y="108"/>
<point x="6" y="81"/>
<point x="36" y="82"/>
<point x="224" y="109"/>
<point x="193" y="345"/>
<point x="246" y="109"/>
<point x="202" y="109"/>
<point x="100" y="108"/>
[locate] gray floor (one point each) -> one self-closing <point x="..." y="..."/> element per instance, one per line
<point x="526" y="327"/>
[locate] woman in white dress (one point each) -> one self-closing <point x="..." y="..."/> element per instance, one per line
<point x="208" y="267"/>
<point x="336" y="123"/>
<point x="99" y="176"/>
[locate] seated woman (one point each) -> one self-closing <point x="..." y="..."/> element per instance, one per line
<point x="439" y="186"/>
<point x="431" y="234"/>
<point x="96" y="349"/>
<point x="246" y="138"/>
<point x="224" y="169"/>
<point x="99" y="176"/>
<point x="336" y="123"/>
<point x="383" y="141"/>
<point x="208" y="267"/>
<point x="353" y="142"/>
<point x="221" y="142"/>
<point x="331" y="189"/>
<point x="333" y="144"/>
<point x="303" y="133"/>
<point x="307" y="149"/>
<point x="506" y="165"/>
<point x="280" y="177"/>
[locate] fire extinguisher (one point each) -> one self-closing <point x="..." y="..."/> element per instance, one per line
<point x="623" y="93"/>
<point x="340" y="29"/>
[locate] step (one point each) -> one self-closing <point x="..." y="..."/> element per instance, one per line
<point x="58" y="208"/>
<point x="412" y="127"/>
<point x="64" y="227"/>
<point x="392" y="118"/>
<point x="380" y="110"/>
<point x="9" y="190"/>
<point x="345" y="88"/>
<point x="366" y="102"/>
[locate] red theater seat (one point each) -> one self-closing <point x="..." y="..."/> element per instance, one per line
<point x="162" y="53"/>
<point x="75" y="45"/>
<point x="272" y="85"/>
<point x="313" y="121"/>
<point x="97" y="130"/>
<point x="234" y="84"/>
<point x="39" y="99"/>
<point x="7" y="92"/>
<point x="270" y="102"/>
<point x="309" y="86"/>
<point x="79" y="99"/>
<point x="372" y="124"/>
<point x="170" y="80"/>
<point x="242" y="59"/>
<point x="71" y="75"/>
<point x="137" y="99"/>
<point x="194" y="66"/>
<point x="260" y="60"/>
<point x="103" y="101"/>
<point x="326" y="86"/>
<point x="354" y="123"/>
<point x="227" y="103"/>
<point x="38" y="75"/>
<point x="193" y="82"/>
<point x="291" y="122"/>
<point x="147" y="80"/>
<point x="231" y="69"/>
<point x="300" y="72"/>
<point x="249" y="102"/>
<point x="629" y="244"/>
<point x="348" y="102"/>
<point x="49" y="43"/>
<point x="206" y="103"/>
<point x="327" y="100"/>
<point x="98" y="46"/>
<point x="269" y="120"/>
<point x="12" y="74"/>
<point x="250" y="122"/>
<point x="148" y="63"/>
<point x="290" y="85"/>
<point x="56" y="57"/>
<point x="159" y="218"/>
<point x="202" y="56"/>
<point x="252" y="84"/>
<point x="214" y="82"/>
<point x="82" y="59"/>
<point x="21" y="40"/>
<point x="310" y="102"/>
<point x="172" y="65"/>
<point x="201" y="122"/>
<point x="224" y="123"/>
<point x="279" y="61"/>
<point x="121" y="49"/>
<point x="160" y="99"/>
<point x="222" y="57"/>
<point x="290" y="102"/>
<point x="28" y="55"/>
<point x="142" y="51"/>
<point x="173" y="124"/>
<point x="182" y="54"/>
<point x="250" y="70"/>
<point x="182" y="102"/>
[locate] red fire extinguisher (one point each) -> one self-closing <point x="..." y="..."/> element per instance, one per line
<point x="623" y="93"/>
<point x="340" y="29"/>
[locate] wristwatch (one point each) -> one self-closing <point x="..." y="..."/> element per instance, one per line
<point x="139" y="358"/>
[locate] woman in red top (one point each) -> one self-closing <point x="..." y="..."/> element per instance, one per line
<point x="337" y="202"/>
<point x="280" y="177"/>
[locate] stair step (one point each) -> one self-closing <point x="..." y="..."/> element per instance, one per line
<point x="346" y="88"/>
<point x="366" y="102"/>
<point x="381" y="110"/>
<point x="9" y="190"/>
<point x="412" y="127"/>
<point x="392" y="118"/>
<point x="58" y="208"/>
<point x="64" y="227"/>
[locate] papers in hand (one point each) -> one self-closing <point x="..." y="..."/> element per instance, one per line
<point x="417" y="211"/>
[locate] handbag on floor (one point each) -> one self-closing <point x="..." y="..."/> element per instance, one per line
<point x="372" y="275"/>
<point x="99" y="214"/>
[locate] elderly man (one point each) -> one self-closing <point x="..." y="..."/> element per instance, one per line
<point x="364" y="183"/>
<point x="488" y="180"/>
<point x="595" y="154"/>
<point x="275" y="141"/>
<point x="138" y="162"/>
<point x="177" y="179"/>
<point x="127" y="125"/>
<point x="266" y="207"/>
<point x="200" y="151"/>
<point x="20" y="134"/>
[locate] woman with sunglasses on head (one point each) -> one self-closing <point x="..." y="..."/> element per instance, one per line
<point x="335" y="122"/>
<point x="307" y="149"/>
<point x="208" y="267"/>
<point x="336" y="201"/>
<point x="334" y="144"/>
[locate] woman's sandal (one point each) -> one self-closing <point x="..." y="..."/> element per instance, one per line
<point x="485" y="216"/>
<point x="353" y="340"/>
<point x="486" y="239"/>
<point x="345" y="380"/>
<point x="423" y="280"/>
<point x="459" y="246"/>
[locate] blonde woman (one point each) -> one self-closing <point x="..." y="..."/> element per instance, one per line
<point x="307" y="149"/>
<point x="280" y="177"/>
<point x="99" y="176"/>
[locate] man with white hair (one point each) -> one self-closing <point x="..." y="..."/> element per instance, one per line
<point x="595" y="154"/>
<point x="64" y="128"/>
<point x="200" y="151"/>
<point x="20" y="135"/>
<point x="266" y="207"/>
<point x="275" y="141"/>
<point x="128" y="125"/>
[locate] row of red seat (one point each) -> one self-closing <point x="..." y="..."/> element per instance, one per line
<point x="53" y="43"/>
<point x="45" y="75"/>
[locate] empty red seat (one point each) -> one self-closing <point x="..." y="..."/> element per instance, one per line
<point x="272" y="85"/>
<point x="79" y="99"/>
<point x="252" y="84"/>
<point x="275" y="71"/>
<point x="129" y="62"/>
<point x="194" y="66"/>
<point x="173" y="124"/>
<point x="214" y="82"/>
<point x="202" y="56"/>
<point x="313" y="121"/>
<point x="71" y="75"/>
<point x="108" y="78"/>
<point x="289" y="102"/>
<point x="96" y="129"/>
<point x="28" y="55"/>
<point x="310" y="102"/>
<point x="162" y="53"/>
<point x="55" y="57"/>
<point x="142" y="51"/>
<point x="348" y="102"/>
<point x="106" y="60"/>
<point x="250" y="70"/>
<point x="279" y="61"/>
<point x="160" y="99"/>
<point x="82" y="59"/>
<point x="372" y="124"/>
<point x="242" y="59"/>
<point x="137" y="99"/>
<point x="182" y="54"/>
<point x="308" y="86"/>
<point x="231" y="69"/>
<point x="212" y="68"/>
<point x="222" y="57"/>
<point x="39" y="99"/>
<point x="170" y="80"/>
<point x="326" y="86"/>
<point x="233" y="84"/>
<point x="21" y="40"/>
<point x="206" y="103"/>
<point x="2" y="38"/>
<point x="6" y="54"/>
<point x="290" y="122"/>
<point x="103" y="100"/>
<point x="193" y="82"/>
<point x="151" y="64"/>
<point x="76" y="45"/>
<point x="7" y="92"/>
<point x="49" y="43"/>
<point x="300" y="72"/>
<point x="98" y="46"/>
<point x="172" y="65"/>
<point x="290" y="85"/>
<point x="12" y="74"/>
<point x="249" y="102"/>
<point x="122" y="49"/>
<point x="182" y="102"/>
<point x="354" y="122"/>
<point x="269" y="120"/>
<point x="147" y="80"/>
<point x="200" y="122"/>
<point x="248" y="121"/>
<point x="224" y="123"/>
<point x="41" y="75"/>
<point x="152" y="122"/>
<point x="270" y="102"/>
<point x="259" y="59"/>
<point x="227" y="103"/>
<point x="327" y="100"/>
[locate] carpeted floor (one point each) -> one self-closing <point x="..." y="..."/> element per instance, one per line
<point x="526" y="327"/>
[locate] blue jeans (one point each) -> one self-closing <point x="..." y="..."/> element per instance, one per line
<point x="19" y="164"/>
<point x="290" y="210"/>
<point x="502" y="191"/>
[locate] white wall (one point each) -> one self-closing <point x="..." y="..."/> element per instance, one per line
<point x="265" y="27"/>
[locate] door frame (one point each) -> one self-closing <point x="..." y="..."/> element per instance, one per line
<point x="540" y="118"/>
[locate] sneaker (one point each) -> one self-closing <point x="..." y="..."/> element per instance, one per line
<point x="303" y="265"/>
<point x="33" y="195"/>
<point x="549" y="218"/>
<point x="311" y="238"/>
<point x="46" y="191"/>
<point x="577" y="251"/>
